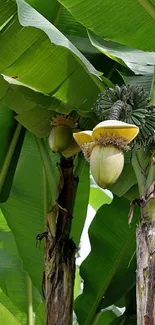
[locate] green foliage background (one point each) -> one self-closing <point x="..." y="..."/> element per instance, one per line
<point x="55" y="58"/>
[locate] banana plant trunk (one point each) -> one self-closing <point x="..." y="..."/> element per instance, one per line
<point x="58" y="281"/>
<point x="146" y="272"/>
<point x="143" y="164"/>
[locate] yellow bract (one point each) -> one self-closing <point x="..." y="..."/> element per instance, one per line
<point x="83" y="137"/>
<point x="108" y="128"/>
<point x="115" y="128"/>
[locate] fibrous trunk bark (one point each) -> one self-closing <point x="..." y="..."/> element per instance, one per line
<point x="60" y="254"/>
<point x="146" y="268"/>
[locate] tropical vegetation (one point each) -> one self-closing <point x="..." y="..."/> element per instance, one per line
<point x="66" y="68"/>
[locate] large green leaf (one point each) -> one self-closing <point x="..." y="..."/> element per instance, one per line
<point x="6" y="317"/>
<point x="46" y="61"/>
<point x="30" y="17"/>
<point x="7" y="303"/>
<point x="109" y="270"/>
<point x="59" y="17"/>
<point x="139" y="62"/>
<point x="13" y="277"/>
<point x="24" y="209"/>
<point x="126" y="23"/>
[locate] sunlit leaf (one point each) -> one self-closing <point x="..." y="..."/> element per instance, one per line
<point x="126" y="23"/>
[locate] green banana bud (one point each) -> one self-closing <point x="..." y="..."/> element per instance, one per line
<point x="72" y="150"/>
<point x="60" y="138"/>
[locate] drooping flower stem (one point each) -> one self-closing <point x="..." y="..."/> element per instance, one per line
<point x="116" y="110"/>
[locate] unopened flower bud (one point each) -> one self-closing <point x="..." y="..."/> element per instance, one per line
<point x="60" y="138"/>
<point x="106" y="164"/>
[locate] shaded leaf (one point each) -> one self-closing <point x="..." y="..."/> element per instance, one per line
<point x="83" y="44"/>
<point x="106" y="318"/>
<point x="110" y="261"/>
<point x="81" y="204"/>
<point x="24" y="209"/>
<point x="10" y="162"/>
<point x="12" y="275"/>
<point x="145" y="82"/>
<point x="88" y="123"/>
<point x="125" y="320"/>
<point x="8" y="126"/>
<point x="132" y="193"/>
<point x="34" y="109"/>
<point x="45" y="8"/>
<point x="138" y="61"/>
<point x="126" y="180"/>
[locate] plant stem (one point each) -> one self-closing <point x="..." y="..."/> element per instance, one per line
<point x="45" y="195"/>
<point x="60" y="256"/>
<point x="145" y="172"/>
<point x="9" y="155"/>
<point x="30" y="317"/>
<point x="146" y="273"/>
<point x="116" y="110"/>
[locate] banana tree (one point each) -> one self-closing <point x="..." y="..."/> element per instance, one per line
<point x="54" y="131"/>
